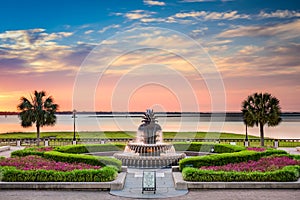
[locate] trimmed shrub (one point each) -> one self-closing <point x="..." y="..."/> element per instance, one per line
<point x="288" y="173"/>
<point x="206" y="147"/>
<point x="86" y="148"/>
<point x="105" y="174"/>
<point x="296" y="157"/>
<point x="88" y="159"/>
<point x="225" y="158"/>
<point x="27" y="152"/>
<point x="227" y="148"/>
<point x="38" y="151"/>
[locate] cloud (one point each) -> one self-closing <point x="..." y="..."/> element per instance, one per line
<point x="88" y="32"/>
<point x="184" y="17"/>
<point x="279" y="14"/>
<point x="11" y="65"/>
<point x="30" y="39"/>
<point x="285" y="31"/>
<point x="109" y="27"/>
<point x="33" y="50"/>
<point x="199" y="31"/>
<point x="270" y="60"/>
<point x="138" y="14"/>
<point x="193" y="1"/>
<point x="149" y="20"/>
<point x="154" y="3"/>
<point x="109" y="42"/>
<point x="215" y="49"/>
<point x="203" y="15"/>
<point x="219" y="42"/>
<point x="250" y="49"/>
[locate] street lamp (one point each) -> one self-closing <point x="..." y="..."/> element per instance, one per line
<point x="246" y="139"/>
<point x="74" y="136"/>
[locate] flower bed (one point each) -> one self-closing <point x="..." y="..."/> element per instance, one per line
<point x="286" y="174"/>
<point x="36" y="163"/>
<point x="258" y="149"/>
<point x="44" y="149"/>
<point x="279" y="168"/>
<point x="226" y="158"/>
<point x="11" y="174"/>
<point x="36" y="169"/>
<point x="265" y="164"/>
<point x="68" y="157"/>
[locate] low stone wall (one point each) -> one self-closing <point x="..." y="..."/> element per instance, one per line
<point x="180" y="184"/>
<point x="117" y="184"/>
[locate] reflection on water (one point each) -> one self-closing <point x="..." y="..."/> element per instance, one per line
<point x="289" y="128"/>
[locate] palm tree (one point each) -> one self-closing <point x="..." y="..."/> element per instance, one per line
<point x="260" y="109"/>
<point x="40" y="110"/>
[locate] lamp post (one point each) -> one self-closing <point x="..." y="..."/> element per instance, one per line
<point x="246" y="133"/>
<point x="246" y="139"/>
<point x="74" y="136"/>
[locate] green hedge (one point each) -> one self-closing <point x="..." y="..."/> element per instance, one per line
<point x="225" y="158"/>
<point x="71" y="158"/>
<point x="26" y="152"/>
<point x="86" y="148"/>
<point x="88" y="159"/>
<point x="105" y="174"/>
<point x="206" y="147"/>
<point x="286" y="174"/>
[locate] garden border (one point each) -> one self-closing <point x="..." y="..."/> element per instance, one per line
<point x="180" y="184"/>
<point x="117" y="184"/>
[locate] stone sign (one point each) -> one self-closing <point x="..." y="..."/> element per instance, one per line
<point x="149" y="181"/>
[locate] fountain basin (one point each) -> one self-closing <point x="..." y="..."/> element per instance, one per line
<point x="136" y="161"/>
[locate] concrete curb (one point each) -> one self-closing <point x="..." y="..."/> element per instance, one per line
<point x="4" y="148"/>
<point x="180" y="184"/>
<point x="117" y="184"/>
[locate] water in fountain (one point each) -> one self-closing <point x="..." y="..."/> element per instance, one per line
<point x="149" y="150"/>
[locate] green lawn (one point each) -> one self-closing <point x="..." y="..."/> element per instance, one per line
<point x="131" y="135"/>
<point x="119" y="134"/>
<point x="204" y="135"/>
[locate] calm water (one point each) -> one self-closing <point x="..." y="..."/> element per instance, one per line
<point x="289" y="128"/>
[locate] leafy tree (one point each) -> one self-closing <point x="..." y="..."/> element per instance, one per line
<point x="39" y="111"/>
<point x="260" y="109"/>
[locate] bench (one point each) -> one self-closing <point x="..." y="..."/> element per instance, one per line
<point x="4" y="148"/>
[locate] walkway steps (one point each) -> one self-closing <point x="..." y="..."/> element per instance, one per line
<point x="164" y="186"/>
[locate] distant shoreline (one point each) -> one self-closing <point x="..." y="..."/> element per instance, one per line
<point x="202" y="116"/>
<point x="158" y="113"/>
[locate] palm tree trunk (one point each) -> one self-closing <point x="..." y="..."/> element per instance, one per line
<point x="37" y="134"/>
<point x="262" y="137"/>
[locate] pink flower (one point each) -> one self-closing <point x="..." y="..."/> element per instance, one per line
<point x="264" y="164"/>
<point x="259" y="149"/>
<point x="36" y="162"/>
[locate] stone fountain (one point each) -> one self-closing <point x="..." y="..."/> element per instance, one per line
<point x="149" y="150"/>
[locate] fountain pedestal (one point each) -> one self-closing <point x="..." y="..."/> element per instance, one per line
<point x="149" y="151"/>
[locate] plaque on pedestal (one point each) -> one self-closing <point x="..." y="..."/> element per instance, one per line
<point x="149" y="181"/>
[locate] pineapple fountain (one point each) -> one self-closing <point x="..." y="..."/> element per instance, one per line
<point x="149" y="150"/>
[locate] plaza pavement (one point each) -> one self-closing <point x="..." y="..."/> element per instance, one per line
<point x="248" y="194"/>
<point x="165" y="189"/>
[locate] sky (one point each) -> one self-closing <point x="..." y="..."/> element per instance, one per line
<point x="179" y="55"/>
